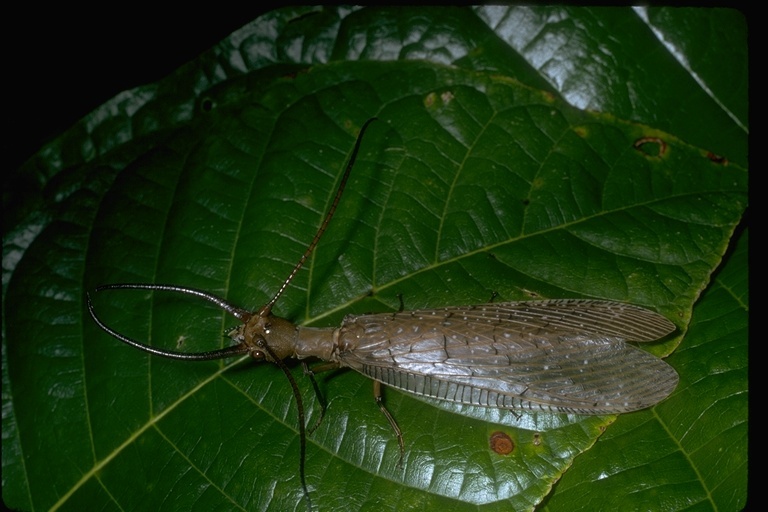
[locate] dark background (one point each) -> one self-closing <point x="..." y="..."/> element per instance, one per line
<point x="63" y="64"/>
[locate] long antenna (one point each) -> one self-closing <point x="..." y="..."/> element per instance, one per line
<point x="239" y="313"/>
<point x="267" y="308"/>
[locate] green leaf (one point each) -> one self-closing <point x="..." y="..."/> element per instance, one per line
<point x="696" y="453"/>
<point x="469" y="183"/>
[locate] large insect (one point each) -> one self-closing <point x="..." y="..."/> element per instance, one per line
<point x="552" y="355"/>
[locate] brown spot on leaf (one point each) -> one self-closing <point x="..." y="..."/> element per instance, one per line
<point x="651" y="146"/>
<point x="721" y="160"/>
<point x="501" y="443"/>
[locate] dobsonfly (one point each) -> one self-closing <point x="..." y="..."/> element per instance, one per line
<point x="567" y="355"/>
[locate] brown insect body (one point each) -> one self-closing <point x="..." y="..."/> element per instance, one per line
<point x="556" y="355"/>
<point x="284" y="338"/>
<point x="553" y="355"/>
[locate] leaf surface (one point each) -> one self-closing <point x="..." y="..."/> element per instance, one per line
<point x="473" y="181"/>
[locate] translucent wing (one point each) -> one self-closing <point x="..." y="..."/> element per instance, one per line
<point x="560" y="355"/>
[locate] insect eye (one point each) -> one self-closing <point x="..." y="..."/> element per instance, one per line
<point x="258" y="355"/>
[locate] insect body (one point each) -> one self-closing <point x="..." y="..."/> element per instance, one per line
<point x="557" y="355"/>
<point x="551" y="355"/>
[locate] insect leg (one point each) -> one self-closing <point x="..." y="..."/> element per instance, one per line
<point x="310" y="372"/>
<point x="262" y="343"/>
<point x="392" y="423"/>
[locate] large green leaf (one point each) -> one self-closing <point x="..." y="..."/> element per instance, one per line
<point x="707" y="439"/>
<point x="470" y="183"/>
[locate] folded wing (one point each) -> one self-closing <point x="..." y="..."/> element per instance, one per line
<point x="563" y="355"/>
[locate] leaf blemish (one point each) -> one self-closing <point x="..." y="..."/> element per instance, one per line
<point x="651" y="146"/>
<point x="715" y="158"/>
<point x="501" y="443"/>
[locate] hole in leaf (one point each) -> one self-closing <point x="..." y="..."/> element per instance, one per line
<point x="206" y="104"/>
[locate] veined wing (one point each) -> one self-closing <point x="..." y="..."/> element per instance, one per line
<point x="560" y="355"/>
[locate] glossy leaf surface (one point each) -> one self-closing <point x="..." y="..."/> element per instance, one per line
<point x="470" y="183"/>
